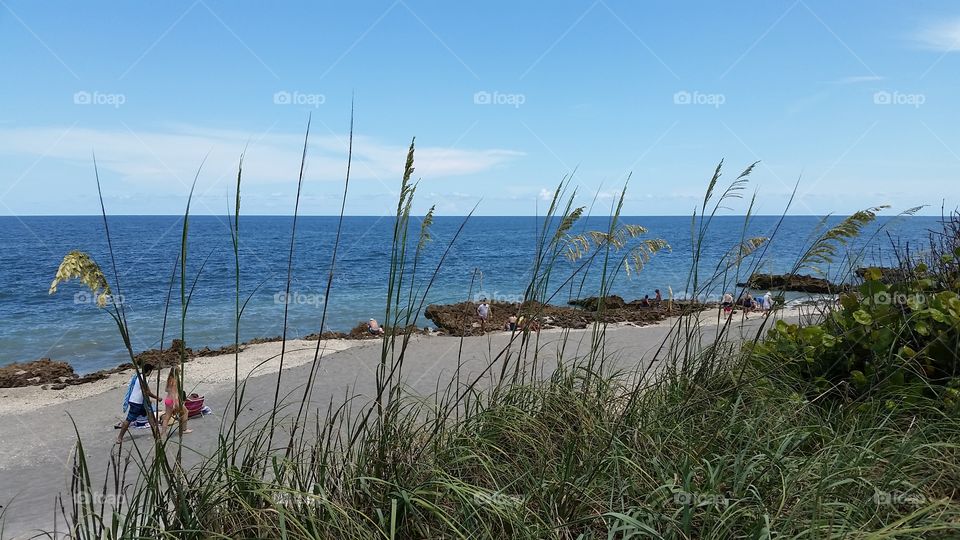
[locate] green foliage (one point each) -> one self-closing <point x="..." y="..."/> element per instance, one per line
<point x="901" y="338"/>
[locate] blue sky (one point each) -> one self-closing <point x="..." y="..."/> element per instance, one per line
<point x="856" y="99"/>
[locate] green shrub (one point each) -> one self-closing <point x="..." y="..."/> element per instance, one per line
<point x="903" y="337"/>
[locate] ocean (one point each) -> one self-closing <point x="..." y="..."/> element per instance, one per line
<point x="492" y="257"/>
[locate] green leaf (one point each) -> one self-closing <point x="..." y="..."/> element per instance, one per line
<point x="863" y="317"/>
<point x="873" y="274"/>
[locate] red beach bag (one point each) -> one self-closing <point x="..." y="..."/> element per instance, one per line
<point x="194" y="405"/>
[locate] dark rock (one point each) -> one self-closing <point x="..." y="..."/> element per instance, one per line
<point x="255" y="341"/>
<point x="38" y="372"/>
<point x="593" y="303"/>
<point x="792" y="282"/>
<point x="461" y="319"/>
<point x="888" y="275"/>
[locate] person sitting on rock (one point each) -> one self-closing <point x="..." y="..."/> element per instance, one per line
<point x="374" y="327"/>
<point x="535" y="325"/>
<point x="646" y="301"/>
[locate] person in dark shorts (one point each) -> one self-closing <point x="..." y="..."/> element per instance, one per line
<point x="137" y="403"/>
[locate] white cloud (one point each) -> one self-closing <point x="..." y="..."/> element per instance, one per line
<point x="854" y="79"/>
<point x="546" y="194"/>
<point x="942" y="36"/>
<point x="175" y="154"/>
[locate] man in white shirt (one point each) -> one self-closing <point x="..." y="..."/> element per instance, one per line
<point x="483" y="312"/>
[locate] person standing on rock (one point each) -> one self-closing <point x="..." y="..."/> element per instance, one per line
<point x="137" y="403"/>
<point x="727" y="303"/>
<point x="483" y="312"/>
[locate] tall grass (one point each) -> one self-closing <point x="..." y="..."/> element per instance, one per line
<point x="698" y="442"/>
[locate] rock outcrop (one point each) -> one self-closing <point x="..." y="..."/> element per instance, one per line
<point x="792" y="282"/>
<point x="461" y="319"/>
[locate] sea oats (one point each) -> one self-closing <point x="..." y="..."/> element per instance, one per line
<point x="80" y="265"/>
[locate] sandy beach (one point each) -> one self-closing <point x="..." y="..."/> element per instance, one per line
<point x="38" y="425"/>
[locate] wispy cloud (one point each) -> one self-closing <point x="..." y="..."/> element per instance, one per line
<point x="943" y="36"/>
<point x="167" y="155"/>
<point x="856" y="79"/>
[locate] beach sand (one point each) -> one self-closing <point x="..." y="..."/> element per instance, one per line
<point x="38" y="434"/>
<point x="254" y="360"/>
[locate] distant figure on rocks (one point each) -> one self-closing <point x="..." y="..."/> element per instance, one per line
<point x="483" y="312"/>
<point x="727" y="303"/>
<point x="511" y="325"/>
<point x="137" y="403"/>
<point x="535" y="325"/>
<point x="374" y="327"/>
<point x="646" y="301"/>
<point x="658" y="299"/>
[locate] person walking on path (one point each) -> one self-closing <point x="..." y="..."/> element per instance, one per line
<point x="173" y="409"/>
<point x="137" y="403"/>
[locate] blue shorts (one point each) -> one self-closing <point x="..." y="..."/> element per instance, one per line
<point x="136" y="410"/>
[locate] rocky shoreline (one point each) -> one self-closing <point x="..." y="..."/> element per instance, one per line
<point x="455" y="320"/>
<point x="450" y="319"/>
<point x="461" y="319"/>
<point x="57" y="375"/>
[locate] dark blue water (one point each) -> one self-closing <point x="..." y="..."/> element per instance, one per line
<point x="496" y="253"/>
